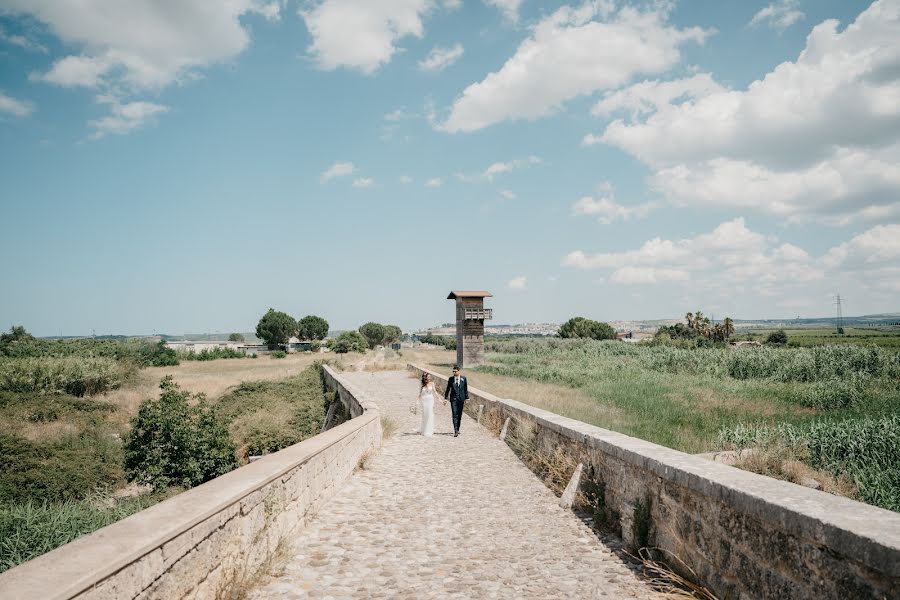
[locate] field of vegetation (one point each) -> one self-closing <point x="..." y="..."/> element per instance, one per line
<point x="77" y="418"/>
<point x="887" y="337"/>
<point x="831" y="410"/>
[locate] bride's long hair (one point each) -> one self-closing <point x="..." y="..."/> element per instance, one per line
<point x="425" y="379"/>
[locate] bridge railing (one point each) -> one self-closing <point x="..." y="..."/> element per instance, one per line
<point x="209" y="538"/>
<point x="743" y="534"/>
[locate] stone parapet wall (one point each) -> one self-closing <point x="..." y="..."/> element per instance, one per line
<point x="744" y="535"/>
<point x="210" y="538"/>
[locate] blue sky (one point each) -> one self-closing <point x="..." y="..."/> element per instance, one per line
<point x="182" y="167"/>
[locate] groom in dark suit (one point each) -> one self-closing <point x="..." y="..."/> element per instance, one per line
<point x="457" y="392"/>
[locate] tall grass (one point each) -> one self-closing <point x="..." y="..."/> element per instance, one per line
<point x="867" y="450"/>
<point x="35" y="527"/>
<point x="71" y="375"/>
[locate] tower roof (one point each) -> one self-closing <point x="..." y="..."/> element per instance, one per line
<point x="468" y="294"/>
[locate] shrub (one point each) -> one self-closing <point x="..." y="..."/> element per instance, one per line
<point x="777" y="337"/>
<point x="315" y="346"/>
<point x="373" y="332"/>
<point x="312" y="327"/>
<point x="276" y="327"/>
<point x="173" y="442"/>
<point x="579" y="327"/>
<point x="75" y="376"/>
<point x="212" y="354"/>
<point x="68" y="468"/>
<point x="235" y="337"/>
<point x="158" y="355"/>
<point x="349" y="341"/>
<point x="278" y="354"/>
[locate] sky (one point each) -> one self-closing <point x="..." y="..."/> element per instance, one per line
<point x="182" y="166"/>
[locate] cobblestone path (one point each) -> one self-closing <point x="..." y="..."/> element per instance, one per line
<point x="446" y="517"/>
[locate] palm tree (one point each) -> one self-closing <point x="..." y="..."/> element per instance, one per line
<point x="728" y="326"/>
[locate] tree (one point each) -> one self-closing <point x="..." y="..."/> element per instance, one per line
<point x="373" y="332"/>
<point x="728" y="327"/>
<point x="17" y="333"/>
<point x="579" y="327"/>
<point x="312" y="327"/>
<point x="235" y="337"/>
<point x="349" y="341"/>
<point x="392" y="333"/>
<point x="276" y="327"/>
<point x="777" y="337"/>
<point x="177" y="440"/>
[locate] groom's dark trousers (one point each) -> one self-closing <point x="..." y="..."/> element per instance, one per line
<point x="457" y="393"/>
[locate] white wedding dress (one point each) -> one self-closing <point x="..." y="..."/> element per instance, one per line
<point x="426" y="399"/>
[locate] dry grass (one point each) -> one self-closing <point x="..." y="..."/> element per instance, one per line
<point x="364" y="460"/>
<point x="780" y="462"/>
<point x="667" y="581"/>
<point x="388" y="427"/>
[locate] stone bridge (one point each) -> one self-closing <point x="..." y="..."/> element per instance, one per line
<point x="352" y="513"/>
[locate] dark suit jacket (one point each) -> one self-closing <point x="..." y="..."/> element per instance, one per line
<point x="454" y="393"/>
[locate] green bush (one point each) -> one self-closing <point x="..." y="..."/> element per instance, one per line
<point x="777" y="337"/>
<point x="158" y="355"/>
<point x="68" y="468"/>
<point x="75" y="376"/>
<point x="278" y="354"/>
<point x="349" y="341"/>
<point x="177" y="440"/>
<point x="579" y="327"/>
<point x="212" y="354"/>
<point x="235" y="337"/>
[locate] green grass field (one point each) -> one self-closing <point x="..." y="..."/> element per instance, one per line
<point x="886" y="337"/>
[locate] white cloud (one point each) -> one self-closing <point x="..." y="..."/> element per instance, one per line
<point x="778" y="15"/>
<point x="816" y="138"/>
<point x="570" y="54"/>
<point x="14" y="107"/>
<point x="591" y="140"/>
<point x="338" y="169"/>
<point x="607" y="210"/>
<point x="508" y="8"/>
<point x="124" y="118"/>
<point x="880" y="244"/>
<point x="441" y="58"/>
<point x="451" y="5"/>
<point x="649" y="96"/>
<point x="434" y="183"/>
<point x="500" y="168"/>
<point x="508" y="194"/>
<point x="22" y="42"/>
<point x="363" y="182"/>
<point x="143" y="44"/>
<point x="517" y="283"/>
<point x="728" y="255"/>
<point x="361" y="34"/>
<point x="405" y="179"/>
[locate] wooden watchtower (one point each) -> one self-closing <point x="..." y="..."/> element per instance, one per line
<point x="470" y="317"/>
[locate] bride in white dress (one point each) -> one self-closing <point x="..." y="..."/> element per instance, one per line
<point x="426" y="399"/>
